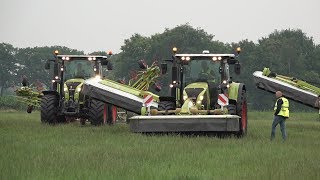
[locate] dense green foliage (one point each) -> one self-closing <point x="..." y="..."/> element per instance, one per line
<point x="288" y="52"/>
<point x="32" y="150"/>
<point x="11" y="102"/>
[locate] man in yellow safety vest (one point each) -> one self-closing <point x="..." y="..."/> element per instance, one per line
<point x="281" y="113"/>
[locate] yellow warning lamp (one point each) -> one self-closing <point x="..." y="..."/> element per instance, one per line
<point x="110" y="53"/>
<point x="174" y="50"/>
<point x="56" y="52"/>
<point x="238" y="50"/>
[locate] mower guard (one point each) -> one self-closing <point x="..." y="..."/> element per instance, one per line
<point x="185" y="123"/>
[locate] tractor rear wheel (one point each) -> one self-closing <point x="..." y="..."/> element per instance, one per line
<point x="242" y="112"/>
<point x="49" y="105"/>
<point x="99" y="113"/>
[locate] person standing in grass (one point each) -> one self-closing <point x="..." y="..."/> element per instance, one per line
<point x="281" y="113"/>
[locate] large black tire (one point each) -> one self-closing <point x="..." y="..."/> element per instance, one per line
<point x="242" y="111"/>
<point x="232" y="109"/>
<point x="166" y="105"/>
<point x="100" y="113"/>
<point x="49" y="106"/>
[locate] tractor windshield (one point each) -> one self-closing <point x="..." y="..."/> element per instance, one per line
<point x="202" y="71"/>
<point x="78" y="69"/>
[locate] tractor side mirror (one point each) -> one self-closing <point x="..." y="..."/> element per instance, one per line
<point x="237" y="68"/>
<point x="142" y="64"/>
<point x="157" y="87"/>
<point x="47" y="65"/>
<point x="104" y="62"/>
<point x="109" y="65"/>
<point x="25" y="81"/>
<point x="164" y="68"/>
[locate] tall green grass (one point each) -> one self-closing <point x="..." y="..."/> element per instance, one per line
<point x="31" y="150"/>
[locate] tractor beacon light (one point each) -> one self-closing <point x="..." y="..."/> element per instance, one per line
<point x="56" y="52"/>
<point x="238" y="50"/>
<point x="174" y="49"/>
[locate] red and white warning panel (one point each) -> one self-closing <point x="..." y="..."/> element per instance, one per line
<point x="147" y="100"/>
<point x="223" y="100"/>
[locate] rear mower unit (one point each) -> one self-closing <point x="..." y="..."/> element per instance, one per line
<point x="198" y="83"/>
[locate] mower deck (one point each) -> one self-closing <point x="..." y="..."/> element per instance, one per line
<point x="289" y="91"/>
<point x="114" y="96"/>
<point x="185" y="123"/>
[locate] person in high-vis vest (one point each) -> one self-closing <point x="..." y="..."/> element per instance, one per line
<point x="281" y="113"/>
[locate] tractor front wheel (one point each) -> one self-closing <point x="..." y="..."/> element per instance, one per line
<point x="99" y="113"/>
<point x="49" y="105"/>
<point x="166" y="105"/>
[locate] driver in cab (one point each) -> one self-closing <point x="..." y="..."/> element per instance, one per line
<point x="80" y="73"/>
<point x="206" y="73"/>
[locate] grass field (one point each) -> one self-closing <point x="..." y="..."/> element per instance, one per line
<point x="31" y="150"/>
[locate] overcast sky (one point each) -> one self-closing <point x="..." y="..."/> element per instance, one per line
<point x="101" y="25"/>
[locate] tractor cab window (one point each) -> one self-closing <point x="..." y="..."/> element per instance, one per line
<point x="202" y="71"/>
<point x="78" y="69"/>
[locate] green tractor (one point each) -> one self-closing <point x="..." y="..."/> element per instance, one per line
<point x="203" y="97"/>
<point x="65" y="101"/>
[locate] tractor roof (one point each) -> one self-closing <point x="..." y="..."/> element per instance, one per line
<point x="213" y="57"/>
<point x="205" y="56"/>
<point x="82" y="57"/>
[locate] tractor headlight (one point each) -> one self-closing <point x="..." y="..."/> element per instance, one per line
<point x="65" y="89"/>
<point x="78" y="89"/>
<point x="214" y="58"/>
<point x="201" y="98"/>
<point x="199" y="102"/>
<point x="185" y="97"/>
<point x="98" y="77"/>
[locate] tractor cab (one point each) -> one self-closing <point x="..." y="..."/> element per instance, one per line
<point x="69" y="75"/>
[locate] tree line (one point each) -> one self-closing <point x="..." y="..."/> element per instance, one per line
<point x="288" y="52"/>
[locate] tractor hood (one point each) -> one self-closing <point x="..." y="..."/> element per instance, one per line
<point x="195" y="94"/>
<point x="72" y="89"/>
